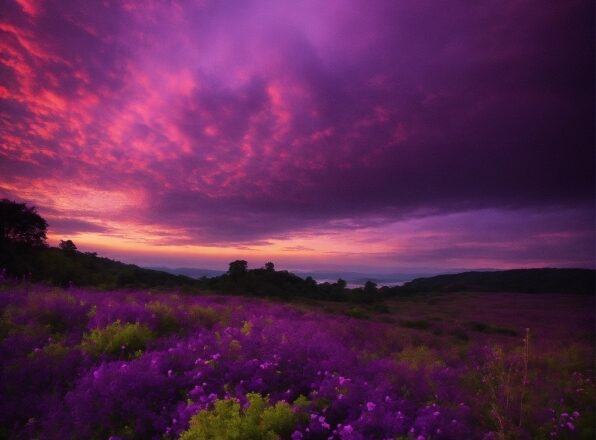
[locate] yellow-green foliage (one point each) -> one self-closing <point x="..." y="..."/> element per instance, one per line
<point x="55" y="349"/>
<point x="246" y="328"/>
<point x="9" y="324"/>
<point x="167" y="322"/>
<point x="117" y="338"/>
<point x="205" y="316"/>
<point x="92" y="312"/>
<point x="420" y="357"/>
<point x="227" y="421"/>
<point x="300" y="407"/>
<point x="51" y="350"/>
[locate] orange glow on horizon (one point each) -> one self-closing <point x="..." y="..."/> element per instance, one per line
<point x="126" y="240"/>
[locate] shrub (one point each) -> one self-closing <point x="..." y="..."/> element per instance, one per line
<point x="259" y="421"/>
<point x="418" y="357"/>
<point x="117" y="338"/>
<point x="246" y="328"/>
<point x="204" y="316"/>
<point x="167" y="322"/>
<point x="55" y="349"/>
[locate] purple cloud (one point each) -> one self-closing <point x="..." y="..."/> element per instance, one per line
<point x="243" y="122"/>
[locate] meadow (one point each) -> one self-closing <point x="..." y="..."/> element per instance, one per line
<point x="137" y="364"/>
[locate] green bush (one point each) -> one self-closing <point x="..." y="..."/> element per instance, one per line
<point x="167" y="322"/>
<point x="227" y="421"/>
<point x="420" y="356"/>
<point x="205" y="316"/>
<point x="117" y="339"/>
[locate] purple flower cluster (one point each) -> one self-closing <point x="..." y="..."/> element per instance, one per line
<point x="353" y="383"/>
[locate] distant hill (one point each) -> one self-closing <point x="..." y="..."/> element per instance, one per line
<point x="516" y="280"/>
<point x="55" y="266"/>
<point x="359" y="278"/>
<point x="24" y="255"/>
<point x="354" y="278"/>
<point x="63" y="267"/>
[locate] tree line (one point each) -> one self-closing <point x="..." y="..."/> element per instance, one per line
<point x="25" y="254"/>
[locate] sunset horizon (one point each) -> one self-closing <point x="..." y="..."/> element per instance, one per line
<point x="297" y="220"/>
<point x="395" y="137"/>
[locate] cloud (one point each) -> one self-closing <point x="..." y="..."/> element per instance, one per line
<point x="245" y="121"/>
<point x="73" y="226"/>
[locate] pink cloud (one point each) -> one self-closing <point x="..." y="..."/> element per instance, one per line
<point x="256" y="120"/>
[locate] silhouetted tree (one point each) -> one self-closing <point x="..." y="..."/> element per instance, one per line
<point x="21" y="224"/>
<point x="341" y="283"/>
<point x="237" y="268"/>
<point x="270" y="266"/>
<point x="370" y="288"/>
<point x="67" y="246"/>
<point x="310" y="282"/>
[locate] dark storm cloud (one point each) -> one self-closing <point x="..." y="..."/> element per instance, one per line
<point x="245" y="121"/>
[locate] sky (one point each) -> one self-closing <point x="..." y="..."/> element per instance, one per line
<point x="379" y="136"/>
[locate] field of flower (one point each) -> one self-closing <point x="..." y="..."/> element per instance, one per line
<point x="82" y="364"/>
